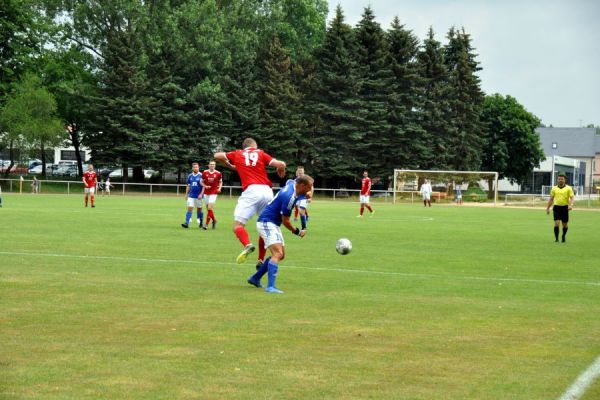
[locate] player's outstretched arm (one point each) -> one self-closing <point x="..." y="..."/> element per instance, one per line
<point x="279" y="165"/>
<point x="222" y="158"/>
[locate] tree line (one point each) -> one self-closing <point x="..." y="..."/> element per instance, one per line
<point x="162" y="83"/>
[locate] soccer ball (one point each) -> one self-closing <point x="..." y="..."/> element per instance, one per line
<point x="343" y="246"/>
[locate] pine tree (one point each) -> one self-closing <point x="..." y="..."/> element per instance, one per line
<point x="281" y="124"/>
<point x="465" y="144"/>
<point x="335" y="104"/>
<point x="377" y="83"/>
<point x="434" y="103"/>
<point x="405" y="142"/>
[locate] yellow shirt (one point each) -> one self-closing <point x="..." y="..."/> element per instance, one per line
<point x="561" y="195"/>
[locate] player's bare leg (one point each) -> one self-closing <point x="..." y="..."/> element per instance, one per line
<point x="86" y="199"/>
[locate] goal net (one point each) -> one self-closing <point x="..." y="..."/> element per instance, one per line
<point x="474" y="186"/>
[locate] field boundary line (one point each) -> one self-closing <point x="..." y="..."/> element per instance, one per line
<point x="583" y="382"/>
<point x="342" y="270"/>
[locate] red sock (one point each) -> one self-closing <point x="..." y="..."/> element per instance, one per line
<point x="207" y="217"/>
<point x="242" y="235"/>
<point x="262" y="251"/>
<point x="370" y="209"/>
<point x="86" y="201"/>
<point x="212" y="215"/>
<point x="362" y="210"/>
<point x="92" y="199"/>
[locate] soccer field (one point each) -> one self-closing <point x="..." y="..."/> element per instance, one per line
<point x="120" y="302"/>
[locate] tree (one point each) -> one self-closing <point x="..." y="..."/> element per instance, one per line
<point x="405" y="144"/>
<point x="511" y="145"/>
<point x="30" y="113"/>
<point x="465" y="101"/>
<point x="376" y="89"/>
<point x="280" y="119"/>
<point x="334" y="101"/>
<point x="434" y="98"/>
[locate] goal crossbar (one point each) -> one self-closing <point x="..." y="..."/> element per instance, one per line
<point x="421" y="172"/>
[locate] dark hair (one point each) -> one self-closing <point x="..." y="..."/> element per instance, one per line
<point x="562" y="174"/>
<point x="305" y="179"/>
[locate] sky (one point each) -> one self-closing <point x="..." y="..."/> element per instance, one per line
<point x="545" y="53"/>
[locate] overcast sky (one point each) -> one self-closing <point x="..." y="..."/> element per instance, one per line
<point x="545" y="53"/>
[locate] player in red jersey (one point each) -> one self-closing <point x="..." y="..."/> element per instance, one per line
<point x="212" y="182"/>
<point x="90" y="180"/>
<point x="251" y="165"/>
<point x="365" y="193"/>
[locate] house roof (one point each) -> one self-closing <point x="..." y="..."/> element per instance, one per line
<point x="570" y="142"/>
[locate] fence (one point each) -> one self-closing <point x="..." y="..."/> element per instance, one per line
<point x="165" y="189"/>
<point x="536" y="200"/>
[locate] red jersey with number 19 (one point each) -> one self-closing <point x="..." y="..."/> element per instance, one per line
<point x="89" y="178"/>
<point x="365" y="190"/>
<point x="251" y="166"/>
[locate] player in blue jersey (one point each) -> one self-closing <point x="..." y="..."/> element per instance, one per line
<point x="193" y="195"/>
<point x="278" y="212"/>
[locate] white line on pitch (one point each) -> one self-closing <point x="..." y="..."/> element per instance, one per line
<point x="583" y="382"/>
<point x="343" y="270"/>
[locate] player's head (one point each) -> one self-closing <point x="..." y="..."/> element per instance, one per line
<point x="195" y="167"/>
<point x="562" y="179"/>
<point x="299" y="170"/>
<point x="212" y="165"/>
<point x="365" y="173"/>
<point x="304" y="184"/>
<point x="90" y="167"/>
<point x="249" y="142"/>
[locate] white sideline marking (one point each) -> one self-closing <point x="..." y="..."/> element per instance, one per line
<point x="344" y="270"/>
<point x="583" y="382"/>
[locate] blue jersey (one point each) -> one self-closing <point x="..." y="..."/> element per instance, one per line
<point x="193" y="182"/>
<point x="282" y="204"/>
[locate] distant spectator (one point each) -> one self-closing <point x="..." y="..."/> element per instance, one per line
<point x="426" y="193"/>
<point x="458" y="195"/>
<point x="35" y="186"/>
<point x="107" y="186"/>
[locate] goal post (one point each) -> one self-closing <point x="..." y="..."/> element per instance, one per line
<point x="475" y="185"/>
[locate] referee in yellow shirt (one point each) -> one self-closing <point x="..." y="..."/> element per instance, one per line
<point x="563" y="198"/>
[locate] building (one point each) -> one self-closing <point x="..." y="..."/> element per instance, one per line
<point x="68" y="154"/>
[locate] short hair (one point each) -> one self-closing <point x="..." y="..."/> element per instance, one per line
<point x="249" y="142"/>
<point x="562" y="174"/>
<point x="299" y="167"/>
<point x="195" y="163"/>
<point x="307" y="180"/>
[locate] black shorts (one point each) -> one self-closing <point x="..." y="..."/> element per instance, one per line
<point x="561" y="213"/>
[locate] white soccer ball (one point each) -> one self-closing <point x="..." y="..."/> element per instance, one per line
<point x="343" y="246"/>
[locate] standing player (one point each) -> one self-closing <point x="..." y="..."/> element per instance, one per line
<point x="302" y="204"/>
<point x="193" y="194"/>
<point x="269" y="222"/>
<point x="212" y="182"/>
<point x="250" y="164"/>
<point x="563" y="198"/>
<point x="365" y="193"/>
<point x="90" y="180"/>
<point x="426" y="192"/>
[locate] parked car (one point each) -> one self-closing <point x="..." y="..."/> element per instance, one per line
<point x="66" y="170"/>
<point x="38" y="169"/>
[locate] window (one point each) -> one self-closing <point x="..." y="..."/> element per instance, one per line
<point x="70" y="155"/>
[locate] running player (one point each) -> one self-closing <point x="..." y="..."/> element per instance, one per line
<point x="250" y="164"/>
<point x="90" y="180"/>
<point x="212" y="181"/>
<point x="269" y="223"/>
<point x="193" y="195"/>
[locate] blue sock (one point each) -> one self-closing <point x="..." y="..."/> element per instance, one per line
<point x="272" y="274"/>
<point x="262" y="270"/>
<point x="200" y="216"/>
<point x="303" y="221"/>
<point x="188" y="217"/>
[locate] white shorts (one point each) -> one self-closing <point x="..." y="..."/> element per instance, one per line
<point x="210" y="198"/>
<point x="194" y="202"/>
<point x="302" y="203"/>
<point x="252" y="202"/>
<point x="270" y="233"/>
<point x="426" y="196"/>
<point x="364" y="199"/>
<point x="91" y="190"/>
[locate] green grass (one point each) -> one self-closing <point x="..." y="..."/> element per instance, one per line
<point x="120" y="302"/>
